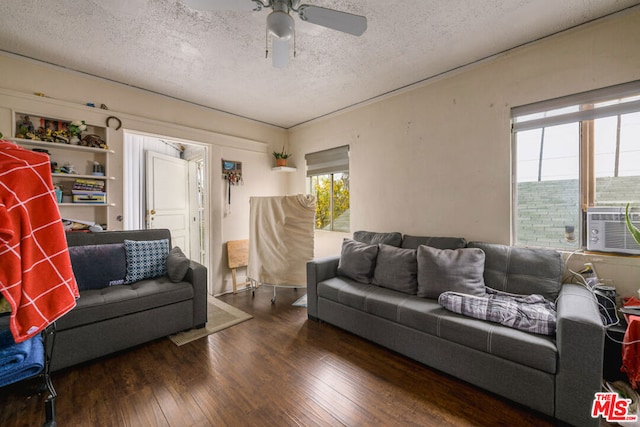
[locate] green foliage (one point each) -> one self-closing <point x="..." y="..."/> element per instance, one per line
<point x="322" y="190"/>
<point x="281" y="155"/>
<point x="635" y="232"/>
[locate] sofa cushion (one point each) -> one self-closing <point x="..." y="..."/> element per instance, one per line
<point x="373" y="238"/>
<point x="523" y="271"/>
<point x="412" y="242"/>
<point x="346" y="291"/>
<point x="98" y="266"/>
<point x="146" y="259"/>
<point x="536" y="351"/>
<point x="177" y="265"/>
<point x="357" y="260"/>
<point x="426" y="315"/>
<point x="96" y="305"/>
<point x="397" y="269"/>
<point x="459" y="270"/>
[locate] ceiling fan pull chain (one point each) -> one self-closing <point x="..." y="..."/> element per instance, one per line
<point x="294" y="43"/>
<point x="266" y="44"/>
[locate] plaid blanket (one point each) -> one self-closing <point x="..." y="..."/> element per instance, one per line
<point x="36" y="276"/>
<point x="530" y="313"/>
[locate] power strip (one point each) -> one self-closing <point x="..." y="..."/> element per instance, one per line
<point x="589" y="274"/>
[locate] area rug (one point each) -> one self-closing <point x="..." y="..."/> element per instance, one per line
<point x="220" y="316"/>
<point x="301" y="302"/>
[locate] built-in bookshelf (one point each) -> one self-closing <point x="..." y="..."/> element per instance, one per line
<point x="74" y="161"/>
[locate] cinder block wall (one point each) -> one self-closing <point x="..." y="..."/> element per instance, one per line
<point x="546" y="207"/>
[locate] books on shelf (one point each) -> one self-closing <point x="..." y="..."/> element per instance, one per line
<point x="88" y="185"/>
<point x="89" y="191"/>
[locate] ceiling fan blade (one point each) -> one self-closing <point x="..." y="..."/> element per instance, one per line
<point x="280" y="52"/>
<point x="334" y="19"/>
<point x="241" y="5"/>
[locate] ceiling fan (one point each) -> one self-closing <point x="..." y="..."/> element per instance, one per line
<point x="280" y="24"/>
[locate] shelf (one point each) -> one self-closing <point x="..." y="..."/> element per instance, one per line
<point x="82" y="158"/>
<point x="87" y="204"/>
<point x="59" y="145"/>
<point x="283" y="169"/>
<point x="78" y="176"/>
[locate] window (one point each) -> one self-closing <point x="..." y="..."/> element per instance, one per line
<point x="328" y="180"/>
<point x="572" y="153"/>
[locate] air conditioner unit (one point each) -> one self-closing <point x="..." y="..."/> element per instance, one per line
<point x="607" y="230"/>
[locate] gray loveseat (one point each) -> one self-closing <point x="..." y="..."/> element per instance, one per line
<point x="557" y="375"/>
<point x="113" y="318"/>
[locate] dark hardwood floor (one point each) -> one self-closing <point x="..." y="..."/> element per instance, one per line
<point x="277" y="369"/>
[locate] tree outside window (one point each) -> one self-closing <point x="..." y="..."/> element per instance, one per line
<point x="328" y="179"/>
<point x="332" y="201"/>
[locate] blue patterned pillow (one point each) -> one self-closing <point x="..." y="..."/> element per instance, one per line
<point x="145" y="259"/>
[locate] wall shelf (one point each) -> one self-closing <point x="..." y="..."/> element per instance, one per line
<point x="283" y="169"/>
<point x="77" y="204"/>
<point x="76" y="176"/>
<point x="59" y="145"/>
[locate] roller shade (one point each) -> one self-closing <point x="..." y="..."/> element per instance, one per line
<point x="627" y="90"/>
<point x="334" y="160"/>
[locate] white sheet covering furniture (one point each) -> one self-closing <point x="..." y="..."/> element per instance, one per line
<point x="281" y="239"/>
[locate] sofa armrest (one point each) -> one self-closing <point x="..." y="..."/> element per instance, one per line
<point x="318" y="270"/>
<point x="197" y="276"/>
<point x="580" y="342"/>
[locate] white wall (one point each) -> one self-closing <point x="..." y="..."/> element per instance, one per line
<point x="259" y="180"/>
<point x="227" y="136"/>
<point x="436" y="159"/>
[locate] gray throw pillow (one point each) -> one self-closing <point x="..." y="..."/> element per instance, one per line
<point x="457" y="270"/>
<point x="357" y="260"/>
<point x="373" y="238"/>
<point x="396" y="269"/>
<point x="177" y="265"/>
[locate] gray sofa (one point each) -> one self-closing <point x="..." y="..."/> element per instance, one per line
<point x="556" y="375"/>
<point x="120" y="316"/>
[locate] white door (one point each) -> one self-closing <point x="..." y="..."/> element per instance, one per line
<point x="168" y="197"/>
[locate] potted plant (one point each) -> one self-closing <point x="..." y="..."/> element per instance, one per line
<point x="281" y="157"/>
<point x="76" y="128"/>
<point x="635" y="232"/>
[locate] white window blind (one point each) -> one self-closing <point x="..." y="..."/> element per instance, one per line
<point x="334" y="160"/>
<point x="578" y="107"/>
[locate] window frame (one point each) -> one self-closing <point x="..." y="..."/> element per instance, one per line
<point x="588" y="111"/>
<point x="328" y="162"/>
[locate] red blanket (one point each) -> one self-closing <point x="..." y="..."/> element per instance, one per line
<point x="35" y="269"/>
<point x="630" y="353"/>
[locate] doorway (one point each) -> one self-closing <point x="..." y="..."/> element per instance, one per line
<point x="165" y="188"/>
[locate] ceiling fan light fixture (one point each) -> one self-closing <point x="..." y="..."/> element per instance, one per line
<point x="280" y="24"/>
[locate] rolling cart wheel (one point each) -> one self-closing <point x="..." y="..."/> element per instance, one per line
<point x="273" y="300"/>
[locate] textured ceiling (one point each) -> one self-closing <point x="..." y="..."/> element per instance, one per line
<point x="217" y="59"/>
